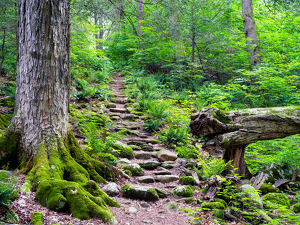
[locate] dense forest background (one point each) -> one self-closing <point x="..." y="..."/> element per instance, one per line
<point x="181" y="55"/>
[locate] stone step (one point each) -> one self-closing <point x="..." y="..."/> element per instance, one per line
<point x="128" y="117"/>
<point x="118" y="110"/>
<point x="120" y="100"/>
<point x="162" y="171"/>
<point x="142" y="155"/>
<point x="166" y="178"/>
<point x="149" y="140"/>
<point x="146" y="179"/>
<point x="150" y="165"/>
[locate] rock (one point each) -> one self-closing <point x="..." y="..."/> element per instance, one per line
<point x="181" y="161"/>
<point x="250" y="197"/>
<point x="146" y="179"/>
<point x="273" y="173"/>
<point x="151" y="141"/>
<point x="166" y="155"/>
<point x="145" y="205"/>
<point x="111" y="189"/>
<point x="135" y="169"/>
<point x="142" y="155"/>
<point x="151" y="165"/>
<point x="170" y="205"/>
<point x="132" y="210"/>
<point x="125" y="161"/>
<point x="296" y="207"/>
<point x="275" y="200"/>
<point x="268" y="188"/>
<point x="296" y="199"/>
<point x="187" y="180"/>
<point x="136" y="142"/>
<point x="251" y="217"/>
<point x="182" y="191"/>
<point x="162" y="171"/>
<point x="124" y="150"/>
<point x="110" y="105"/>
<point x="222" y="201"/>
<point x="295" y="185"/>
<point x="166" y="178"/>
<point x="218" y="213"/>
<point x="148" y="148"/>
<point x="147" y="221"/>
<point x="115" y="118"/>
<point x="190" y="201"/>
<point x="212" y="205"/>
<point x="190" y="163"/>
<point x="133" y="127"/>
<point x="142" y="192"/>
<point x="118" y="110"/>
<point x="167" y="166"/>
<point x="120" y="100"/>
<point x="135" y="147"/>
<point x="128" y="117"/>
<point x="284" y="212"/>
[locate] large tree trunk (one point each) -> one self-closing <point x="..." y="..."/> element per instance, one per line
<point x="250" y="33"/>
<point x="140" y="16"/>
<point x="229" y="133"/>
<point x="2" y="51"/>
<point x="39" y="133"/>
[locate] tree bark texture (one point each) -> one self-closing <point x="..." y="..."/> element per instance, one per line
<point x="2" y="51"/>
<point x="250" y="33"/>
<point x="43" y="79"/>
<point x="228" y="133"/>
<point x="39" y="133"/>
<point x="140" y="16"/>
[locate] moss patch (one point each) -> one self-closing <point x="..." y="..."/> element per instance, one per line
<point x="37" y="218"/>
<point x="187" y="180"/>
<point x="284" y="212"/>
<point x="182" y="191"/>
<point x="268" y="188"/>
<point x="275" y="200"/>
<point x="124" y="151"/>
<point x="135" y="169"/>
<point x="212" y="205"/>
<point x="296" y="207"/>
<point x="219" y="213"/>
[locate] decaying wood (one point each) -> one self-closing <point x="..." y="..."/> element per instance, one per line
<point x="258" y="180"/>
<point x="281" y="182"/>
<point x="228" y="133"/>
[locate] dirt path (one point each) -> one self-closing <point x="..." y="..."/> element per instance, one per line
<point x="132" y="211"/>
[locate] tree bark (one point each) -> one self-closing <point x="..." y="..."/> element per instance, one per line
<point x="39" y="133"/>
<point x="3" y="51"/>
<point x="250" y="33"/>
<point x="229" y="133"/>
<point x="140" y="16"/>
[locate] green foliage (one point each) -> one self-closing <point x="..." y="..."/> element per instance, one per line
<point x="153" y="125"/>
<point x="8" y="191"/>
<point x="187" y="151"/>
<point x="211" y="166"/>
<point x="174" y="135"/>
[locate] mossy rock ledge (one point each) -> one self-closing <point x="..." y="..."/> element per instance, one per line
<point x="37" y="218"/>
<point x="135" y="169"/>
<point x="182" y="192"/>
<point x="146" y="193"/>
<point x="124" y="151"/>
<point x="187" y="180"/>
<point x="296" y="207"/>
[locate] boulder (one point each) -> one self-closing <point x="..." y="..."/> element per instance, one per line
<point x="182" y="192"/>
<point x="111" y="189"/>
<point x="275" y="200"/>
<point x="124" y="150"/>
<point x="142" y="155"/>
<point x="162" y="171"/>
<point x="166" y="155"/>
<point x="151" y="165"/>
<point x="250" y="197"/>
<point x="166" y="178"/>
<point x="212" y="205"/>
<point x="146" y="179"/>
<point x="142" y="192"/>
<point x="170" y="205"/>
<point x="187" y="180"/>
<point x="135" y="169"/>
<point x="268" y="188"/>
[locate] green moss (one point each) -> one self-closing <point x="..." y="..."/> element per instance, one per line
<point x="128" y="172"/>
<point x="275" y="200"/>
<point x="284" y="212"/>
<point x="135" y="169"/>
<point x="161" y="193"/>
<point x="268" y="188"/>
<point x="124" y="150"/>
<point x="37" y="218"/>
<point x="187" y="180"/>
<point x="182" y="191"/>
<point x="187" y="210"/>
<point x="221" y="116"/>
<point x="219" y="213"/>
<point x="190" y="200"/>
<point x="296" y="207"/>
<point x="222" y="201"/>
<point x="3" y="175"/>
<point x="252" y="218"/>
<point x="212" y="205"/>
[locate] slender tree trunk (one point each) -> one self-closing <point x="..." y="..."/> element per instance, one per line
<point x="250" y="33"/>
<point x="39" y="136"/>
<point x="98" y="19"/>
<point x="229" y="133"/>
<point x="140" y="16"/>
<point x="3" y="51"/>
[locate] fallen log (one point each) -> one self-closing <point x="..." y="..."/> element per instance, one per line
<point x="227" y="134"/>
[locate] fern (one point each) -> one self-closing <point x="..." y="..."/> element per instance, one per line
<point x="212" y="167"/>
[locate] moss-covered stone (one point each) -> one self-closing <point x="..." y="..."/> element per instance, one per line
<point x="268" y="188"/>
<point x="212" y="205"/>
<point x="284" y="212"/>
<point x="124" y="151"/>
<point x="222" y="201"/>
<point x="182" y="191"/>
<point x="37" y="218"/>
<point x="135" y="169"/>
<point x="218" y="213"/>
<point x="275" y="200"/>
<point x="252" y="218"/>
<point x="296" y="207"/>
<point x="128" y="172"/>
<point x="187" y="180"/>
<point x="142" y="192"/>
<point x="190" y="201"/>
<point x="295" y="185"/>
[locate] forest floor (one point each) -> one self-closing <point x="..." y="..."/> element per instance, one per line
<point x="131" y="212"/>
